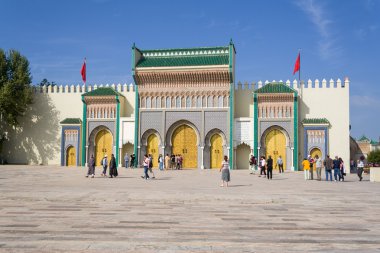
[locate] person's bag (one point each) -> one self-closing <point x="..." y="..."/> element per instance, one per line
<point x="101" y="162"/>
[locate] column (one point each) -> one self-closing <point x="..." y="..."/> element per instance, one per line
<point x="138" y="157"/>
<point x="202" y="166"/>
<point x="234" y="160"/>
<point x="86" y="164"/>
<point x="120" y="157"/>
<point x="292" y="167"/>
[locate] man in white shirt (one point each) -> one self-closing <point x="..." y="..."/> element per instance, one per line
<point x="280" y="165"/>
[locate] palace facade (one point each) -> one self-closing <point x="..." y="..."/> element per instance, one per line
<point x="185" y="101"/>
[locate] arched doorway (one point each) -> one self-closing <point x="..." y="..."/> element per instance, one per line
<point x="242" y="156"/>
<point x="103" y="146"/>
<point x="71" y="156"/>
<point x="275" y="143"/>
<point x="313" y="153"/>
<point x="152" y="148"/>
<point x="216" y="151"/>
<point x="184" y="142"/>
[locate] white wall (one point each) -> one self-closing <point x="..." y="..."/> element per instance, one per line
<point x="38" y="139"/>
<point x="331" y="103"/>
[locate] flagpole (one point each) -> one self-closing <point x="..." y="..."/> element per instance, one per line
<point x="299" y="72"/>
<point x="85" y="62"/>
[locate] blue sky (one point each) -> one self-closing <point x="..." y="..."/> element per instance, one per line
<point x="338" y="39"/>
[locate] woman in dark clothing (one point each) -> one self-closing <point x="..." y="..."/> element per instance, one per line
<point x="113" y="169"/>
<point x="269" y="167"/>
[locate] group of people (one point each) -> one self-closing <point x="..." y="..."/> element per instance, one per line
<point x="104" y="163"/>
<point x="129" y="161"/>
<point x="266" y="166"/>
<point x="173" y="162"/>
<point x="330" y="165"/>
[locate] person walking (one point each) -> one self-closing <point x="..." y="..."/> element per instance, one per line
<point x="146" y="167"/>
<point x="225" y="169"/>
<point x="180" y="160"/>
<point x="336" y="167"/>
<point x="360" y="164"/>
<point x="173" y="161"/>
<point x="311" y="171"/>
<point x="318" y="165"/>
<point x="132" y="160"/>
<point x="113" y="169"/>
<point x="280" y="164"/>
<point x="151" y="165"/>
<point x="167" y="162"/>
<point x="342" y="170"/>
<point x="306" y="168"/>
<point x="253" y="164"/>
<point x="269" y="167"/>
<point x="262" y="166"/>
<point x="91" y="167"/>
<point x="126" y="160"/>
<point x="105" y="165"/>
<point x="328" y="163"/>
<point x="160" y="162"/>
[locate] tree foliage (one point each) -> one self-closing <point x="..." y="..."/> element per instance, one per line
<point x="45" y="82"/>
<point x="374" y="157"/>
<point x="15" y="90"/>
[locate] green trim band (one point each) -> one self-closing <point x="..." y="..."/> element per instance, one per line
<point x="117" y="129"/>
<point x="295" y="151"/>
<point x="255" y="126"/>
<point x="232" y="88"/>
<point x="84" y="129"/>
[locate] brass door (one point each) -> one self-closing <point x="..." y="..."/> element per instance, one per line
<point x="71" y="157"/>
<point x="216" y="151"/>
<point x="275" y="143"/>
<point x="184" y="142"/>
<point x="152" y="148"/>
<point x="103" y="146"/>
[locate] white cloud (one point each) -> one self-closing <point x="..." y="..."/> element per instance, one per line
<point x="364" y="101"/>
<point x="328" y="48"/>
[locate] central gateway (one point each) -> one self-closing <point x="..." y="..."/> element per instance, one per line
<point x="185" y="104"/>
<point x="184" y="142"/>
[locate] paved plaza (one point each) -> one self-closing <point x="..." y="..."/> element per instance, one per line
<point x="57" y="209"/>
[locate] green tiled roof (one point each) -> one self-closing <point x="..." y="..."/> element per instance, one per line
<point x="184" y="57"/>
<point x="71" y="121"/>
<point x="374" y="142"/>
<point x="275" y="88"/>
<point x="364" y="138"/>
<point x="102" y="92"/>
<point x="315" y="121"/>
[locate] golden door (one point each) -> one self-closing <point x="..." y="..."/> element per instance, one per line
<point x="216" y="151"/>
<point x="275" y="144"/>
<point x="71" y="156"/>
<point x="313" y="153"/>
<point x="184" y="142"/>
<point x="152" y="148"/>
<point x="103" y="146"/>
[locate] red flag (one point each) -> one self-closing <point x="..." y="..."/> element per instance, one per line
<point x="83" y="71"/>
<point x="297" y="65"/>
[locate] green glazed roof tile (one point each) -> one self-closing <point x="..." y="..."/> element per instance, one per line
<point x="71" y="121"/>
<point x="364" y="138"/>
<point x="184" y="57"/>
<point x="102" y="92"/>
<point x="315" y="121"/>
<point x="275" y="88"/>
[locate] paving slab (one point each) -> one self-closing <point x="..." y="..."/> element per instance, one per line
<point x="57" y="209"/>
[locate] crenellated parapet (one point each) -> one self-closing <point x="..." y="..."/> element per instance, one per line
<point x="298" y="85"/>
<point x="82" y="88"/>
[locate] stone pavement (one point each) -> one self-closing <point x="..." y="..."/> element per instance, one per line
<point x="57" y="209"/>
